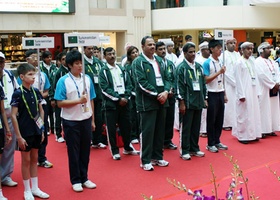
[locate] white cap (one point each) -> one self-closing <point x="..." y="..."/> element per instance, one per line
<point x="2" y="55"/>
<point x="203" y="45"/>
<point x="169" y="43"/>
<point x="246" y="44"/>
<point x="262" y="46"/>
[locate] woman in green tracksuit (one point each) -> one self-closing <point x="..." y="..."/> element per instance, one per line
<point x="152" y="87"/>
<point x="191" y="91"/>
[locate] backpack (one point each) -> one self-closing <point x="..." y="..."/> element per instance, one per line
<point x="12" y="77"/>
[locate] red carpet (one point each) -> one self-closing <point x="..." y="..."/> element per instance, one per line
<point x="125" y="180"/>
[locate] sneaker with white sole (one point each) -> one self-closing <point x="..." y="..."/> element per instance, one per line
<point x="28" y="195"/>
<point x="221" y="146"/>
<point x="135" y="141"/>
<point x="161" y="163"/>
<point x="132" y="152"/>
<point x="117" y="156"/>
<point x="9" y="182"/>
<point x="45" y="164"/>
<point x="147" y="167"/>
<point x="212" y="149"/>
<point x="60" y="140"/>
<point x="186" y="156"/>
<point x="89" y="184"/>
<point x="3" y="198"/>
<point x="99" y="146"/>
<point x="198" y="154"/>
<point x="77" y="187"/>
<point x="39" y="193"/>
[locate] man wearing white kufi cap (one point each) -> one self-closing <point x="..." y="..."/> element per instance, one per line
<point x="203" y="56"/>
<point x="231" y="57"/>
<point x="169" y="53"/>
<point x="247" y="127"/>
<point x="268" y="75"/>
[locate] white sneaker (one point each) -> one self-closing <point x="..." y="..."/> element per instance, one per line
<point x="28" y="195"/>
<point x="135" y="141"/>
<point x="77" y="187"/>
<point x="89" y="184"/>
<point x="117" y="156"/>
<point x="39" y="193"/>
<point x="198" y="154"/>
<point x="60" y="140"/>
<point x="186" y="156"/>
<point x="132" y="152"/>
<point x="9" y="183"/>
<point x="147" y="167"/>
<point x="3" y="198"/>
<point x="161" y="163"/>
<point x="99" y="146"/>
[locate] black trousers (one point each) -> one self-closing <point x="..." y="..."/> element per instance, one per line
<point x="120" y="117"/>
<point x="58" y="128"/>
<point x="43" y="148"/>
<point x="98" y="119"/>
<point x="78" y="137"/>
<point x="169" y="123"/>
<point x="215" y="117"/>
<point x="134" y="120"/>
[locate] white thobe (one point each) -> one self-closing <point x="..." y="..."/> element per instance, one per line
<point x="268" y="75"/>
<point x="248" y="120"/>
<point x="229" y="114"/>
<point x="172" y="57"/>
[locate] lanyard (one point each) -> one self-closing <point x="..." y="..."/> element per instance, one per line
<point x="249" y="68"/>
<point x="96" y="68"/>
<point x="271" y="70"/>
<point x="195" y="74"/>
<point x="79" y="95"/>
<point x="4" y="84"/>
<point x="119" y="75"/>
<point x="26" y="104"/>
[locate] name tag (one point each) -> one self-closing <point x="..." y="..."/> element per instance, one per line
<point x="220" y="85"/>
<point x="39" y="121"/>
<point x="95" y="78"/>
<point x="120" y="89"/>
<point x="273" y="76"/>
<point x="6" y="103"/>
<point x="196" y="86"/>
<point x="253" y="81"/>
<point x="85" y="108"/>
<point x="159" y="81"/>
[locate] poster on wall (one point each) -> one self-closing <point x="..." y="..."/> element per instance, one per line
<point x="35" y="6"/>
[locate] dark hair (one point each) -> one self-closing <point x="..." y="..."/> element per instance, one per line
<point x="29" y="52"/>
<point x="108" y="49"/>
<point x="72" y="56"/>
<point x="239" y="45"/>
<point x="187" y="46"/>
<point x="95" y="48"/>
<point x="46" y="54"/>
<point x="159" y="44"/>
<point x="25" y="68"/>
<point x="277" y="52"/>
<point x="213" y="43"/>
<point x="129" y="51"/>
<point x="60" y="55"/>
<point x="187" y="37"/>
<point x="143" y="41"/>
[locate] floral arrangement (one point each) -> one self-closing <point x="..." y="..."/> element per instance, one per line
<point x="235" y="191"/>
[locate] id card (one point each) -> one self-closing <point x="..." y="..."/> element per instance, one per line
<point x="159" y="81"/>
<point x="1" y="126"/>
<point x="274" y="76"/>
<point x="253" y="81"/>
<point x="120" y="89"/>
<point x="95" y="78"/>
<point x="196" y="86"/>
<point x="85" y="108"/>
<point x="39" y="121"/>
<point x="220" y="85"/>
<point x="6" y="103"/>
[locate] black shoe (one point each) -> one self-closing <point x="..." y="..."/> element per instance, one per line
<point x="263" y="136"/>
<point x="170" y="146"/>
<point x="273" y="134"/>
<point x="227" y="128"/>
<point x="243" y="141"/>
<point x="204" y="135"/>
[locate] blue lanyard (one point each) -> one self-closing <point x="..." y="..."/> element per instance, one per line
<point x="215" y="66"/>
<point x="79" y="95"/>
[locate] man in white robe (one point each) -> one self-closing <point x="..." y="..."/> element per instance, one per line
<point x="231" y="57"/>
<point x="268" y="75"/>
<point x="248" y="120"/>
<point x="203" y="56"/>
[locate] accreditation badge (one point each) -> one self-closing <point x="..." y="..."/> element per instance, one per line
<point x="85" y="108"/>
<point x="6" y="103"/>
<point x="253" y="81"/>
<point x="120" y="89"/>
<point x="95" y="78"/>
<point x="39" y="121"/>
<point x="220" y="84"/>
<point x="274" y="76"/>
<point x="159" y="81"/>
<point x="196" y="86"/>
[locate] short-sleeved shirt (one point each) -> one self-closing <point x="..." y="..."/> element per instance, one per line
<point x="27" y="125"/>
<point x="69" y="88"/>
<point x="211" y="66"/>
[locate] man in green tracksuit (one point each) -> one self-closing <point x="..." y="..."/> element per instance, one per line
<point x="92" y="68"/>
<point x="191" y="91"/>
<point x="152" y="88"/>
<point x="116" y="91"/>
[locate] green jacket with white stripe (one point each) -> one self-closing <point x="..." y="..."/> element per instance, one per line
<point x="145" y="84"/>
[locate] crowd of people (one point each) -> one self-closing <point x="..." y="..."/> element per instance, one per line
<point x="142" y="99"/>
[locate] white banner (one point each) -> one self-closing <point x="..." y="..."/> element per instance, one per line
<point x="81" y="39"/>
<point x="38" y="42"/>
